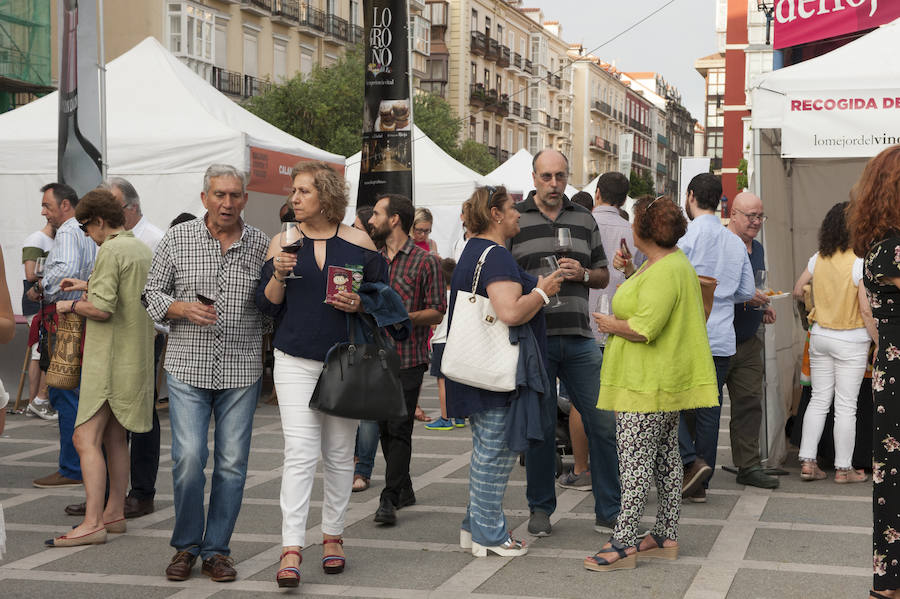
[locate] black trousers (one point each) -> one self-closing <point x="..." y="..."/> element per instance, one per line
<point x="396" y="437"/>
<point x="145" y="446"/>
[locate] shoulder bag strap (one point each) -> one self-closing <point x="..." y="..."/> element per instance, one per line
<point x="478" y="267"/>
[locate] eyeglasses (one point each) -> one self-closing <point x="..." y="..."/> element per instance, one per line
<point x="753" y="217"/>
<point x="83" y="226"/>
<point x="491" y="191"/>
<point x="547" y="177"/>
<point x="421" y="231"/>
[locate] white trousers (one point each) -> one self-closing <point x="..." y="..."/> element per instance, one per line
<point x="308" y="433"/>
<point x="836" y="372"/>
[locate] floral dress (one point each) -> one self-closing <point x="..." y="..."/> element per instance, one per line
<point x="883" y="261"/>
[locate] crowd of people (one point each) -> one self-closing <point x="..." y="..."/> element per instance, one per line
<point x="608" y="310"/>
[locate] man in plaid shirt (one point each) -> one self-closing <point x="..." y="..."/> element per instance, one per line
<point x="416" y="275"/>
<point x="202" y="282"/>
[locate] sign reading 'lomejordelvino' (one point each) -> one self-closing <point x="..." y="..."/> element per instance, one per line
<point x="386" y="163"/>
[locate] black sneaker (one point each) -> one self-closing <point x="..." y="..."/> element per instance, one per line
<point x="407" y="497"/>
<point x="386" y="513"/>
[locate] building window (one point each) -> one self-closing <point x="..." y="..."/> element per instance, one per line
<point x="474" y="25"/>
<point x="473" y="125"/>
<point x="487" y="27"/>
<point x="354" y="12"/>
<point x="487" y="79"/>
<point x="221" y="43"/>
<point x="279" y="61"/>
<point x="191" y="31"/>
<point x="251" y="52"/>
<point x="421" y="35"/>
<point x="486" y="133"/>
<point x="499" y="33"/>
<point x="534" y="142"/>
<point x="329" y="7"/>
<point x="306" y="62"/>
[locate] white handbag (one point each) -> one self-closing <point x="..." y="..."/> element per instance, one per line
<point x="478" y="352"/>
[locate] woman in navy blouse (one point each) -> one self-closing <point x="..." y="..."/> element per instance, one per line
<point x="308" y="326"/>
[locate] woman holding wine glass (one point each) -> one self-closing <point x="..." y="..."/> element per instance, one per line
<point x="117" y="371"/>
<point x="308" y="327"/>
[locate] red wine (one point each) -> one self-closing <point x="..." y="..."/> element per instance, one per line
<point x="78" y="161"/>
<point x="205" y="300"/>
<point x="293" y="248"/>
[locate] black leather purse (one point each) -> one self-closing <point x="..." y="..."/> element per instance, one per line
<point x="360" y="379"/>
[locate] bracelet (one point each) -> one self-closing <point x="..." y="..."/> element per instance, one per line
<point x="543" y="295"/>
<point x="282" y="281"/>
<point x="74" y="303"/>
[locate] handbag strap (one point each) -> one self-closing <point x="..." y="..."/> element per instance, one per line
<point x="478" y="267"/>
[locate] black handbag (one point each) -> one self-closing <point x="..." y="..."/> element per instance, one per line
<point x="359" y="379"/>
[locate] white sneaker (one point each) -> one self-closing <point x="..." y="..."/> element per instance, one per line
<point x="43" y="410"/>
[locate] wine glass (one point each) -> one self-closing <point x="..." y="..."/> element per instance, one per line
<point x="39" y="264"/>
<point x="603" y="307"/>
<point x="762" y="284"/>
<point x="562" y="243"/>
<point x="206" y="293"/>
<point x="550" y="266"/>
<point x="291" y="242"/>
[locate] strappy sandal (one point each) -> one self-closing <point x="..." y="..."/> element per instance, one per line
<point x="877" y="595"/>
<point x="660" y="551"/>
<point x="809" y="470"/>
<point x="332" y="563"/>
<point x="360" y="483"/>
<point x="599" y="563"/>
<point x="289" y="578"/>
<point x="848" y="475"/>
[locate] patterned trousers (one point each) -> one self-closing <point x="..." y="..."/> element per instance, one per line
<point x="648" y="451"/>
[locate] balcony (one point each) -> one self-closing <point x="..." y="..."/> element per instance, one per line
<point x="286" y="12"/>
<point x="503" y="57"/>
<point x="312" y="21"/>
<point x="638" y="159"/>
<point x="662" y="139"/>
<point x="478" y="43"/>
<point x="356" y="34"/>
<point x="528" y="67"/>
<point x="254" y="86"/>
<point x="517" y="60"/>
<point x="491" y="100"/>
<point x="504" y="156"/>
<point x="548" y="122"/>
<point x="607" y="147"/>
<point x="526" y="113"/>
<point x="477" y="95"/>
<point x="661" y="169"/>
<point x="516" y="109"/>
<point x="493" y="49"/>
<point x="605" y="108"/>
<point x="494" y="151"/>
<point x="227" y="82"/>
<point x="262" y="8"/>
<point x="337" y="28"/>
<point x="503" y="106"/>
<point x="595" y="143"/>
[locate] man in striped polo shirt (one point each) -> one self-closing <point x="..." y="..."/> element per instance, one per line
<point x="573" y="356"/>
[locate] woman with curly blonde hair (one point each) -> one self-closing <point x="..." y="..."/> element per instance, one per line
<point x="874" y="219"/>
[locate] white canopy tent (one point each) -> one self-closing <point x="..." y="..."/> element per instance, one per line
<point x="516" y="175"/>
<point x="798" y="191"/>
<point x="166" y="125"/>
<point x="440" y="184"/>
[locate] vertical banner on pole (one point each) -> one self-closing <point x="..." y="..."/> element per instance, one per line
<point x="626" y="152"/>
<point x="78" y="160"/>
<point x="386" y="163"/>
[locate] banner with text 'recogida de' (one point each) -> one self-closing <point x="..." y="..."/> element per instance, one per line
<point x="386" y="162"/>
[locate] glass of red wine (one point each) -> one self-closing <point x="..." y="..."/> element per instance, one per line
<point x="206" y="293"/>
<point x="562" y="243"/>
<point x="291" y="242"/>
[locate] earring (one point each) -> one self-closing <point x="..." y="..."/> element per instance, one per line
<point x="499" y="221"/>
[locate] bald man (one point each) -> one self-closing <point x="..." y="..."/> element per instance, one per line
<point x="745" y="372"/>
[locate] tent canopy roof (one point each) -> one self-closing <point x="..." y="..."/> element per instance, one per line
<point x="863" y="64"/>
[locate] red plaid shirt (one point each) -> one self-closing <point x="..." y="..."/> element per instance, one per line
<point x="416" y="275"/>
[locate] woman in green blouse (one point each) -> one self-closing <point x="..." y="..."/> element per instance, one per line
<point x="657" y="363"/>
<point x="117" y="371"/>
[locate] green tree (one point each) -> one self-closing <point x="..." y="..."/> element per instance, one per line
<point x="434" y="116"/>
<point x="742" y="181"/>
<point x="476" y="156"/>
<point x="324" y="109"/>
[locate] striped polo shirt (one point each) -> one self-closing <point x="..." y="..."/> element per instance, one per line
<point x="536" y="240"/>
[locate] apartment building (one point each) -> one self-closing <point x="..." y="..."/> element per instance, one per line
<point x="504" y="70"/>
<point x="712" y="69"/>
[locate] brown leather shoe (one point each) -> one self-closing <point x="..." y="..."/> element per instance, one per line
<point x="75" y="509"/>
<point x="695" y="474"/>
<point x="219" y="568"/>
<point x="180" y="566"/>
<point x="135" y="508"/>
<point x="55" y="480"/>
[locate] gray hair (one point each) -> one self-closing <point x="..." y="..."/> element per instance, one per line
<point x="224" y="170"/>
<point x="129" y="193"/>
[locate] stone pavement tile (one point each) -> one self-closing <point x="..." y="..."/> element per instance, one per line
<point x="822" y="548"/>
<point x="8" y="448"/>
<point x="32" y="589"/>
<point x="253" y="519"/>
<point x="243" y="594"/>
<point x="793" y="484"/>
<point x="567" y="579"/>
<point x="414" y="525"/>
<point x="30" y="427"/>
<point x="135" y="555"/>
<point x="46" y="510"/>
<point x="20" y="477"/>
<point x="766" y="584"/>
<point x="457" y="494"/>
<point x="517" y="474"/>
<point x="381" y="567"/>
<point x="262" y="461"/>
<point x="21" y="544"/>
<point x="439" y="443"/>
<point x="267" y="440"/>
<point x="818" y="511"/>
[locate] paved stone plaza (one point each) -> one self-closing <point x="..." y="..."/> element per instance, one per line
<point x="802" y="540"/>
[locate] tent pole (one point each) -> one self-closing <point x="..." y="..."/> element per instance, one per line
<point x="102" y="68"/>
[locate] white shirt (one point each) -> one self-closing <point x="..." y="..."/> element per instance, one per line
<point x="859" y="335"/>
<point x="40" y="240"/>
<point x="148" y="233"/>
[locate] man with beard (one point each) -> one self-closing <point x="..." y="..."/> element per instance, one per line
<point x="572" y="354"/>
<point x="715" y="252"/>
<point x="416" y="275"/>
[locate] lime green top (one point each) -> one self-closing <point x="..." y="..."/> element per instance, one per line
<point x="118" y="352"/>
<point x="674" y="369"/>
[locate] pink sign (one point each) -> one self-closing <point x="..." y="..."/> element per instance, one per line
<point x="803" y="21"/>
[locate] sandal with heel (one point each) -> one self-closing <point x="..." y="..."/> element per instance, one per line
<point x="288" y="578"/>
<point x="332" y="563"/>
<point x="809" y="470"/>
<point x="660" y="551"/>
<point x="599" y="563"/>
<point x="877" y="595"/>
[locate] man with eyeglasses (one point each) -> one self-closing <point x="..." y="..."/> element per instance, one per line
<point x="745" y="370"/>
<point x="573" y="356"/>
<point x="715" y="252"/>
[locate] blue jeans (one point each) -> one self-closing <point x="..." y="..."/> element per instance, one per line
<point x="489" y="471"/>
<point x="706" y="426"/>
<point x="367" y="436"/>
<point x="66" y="404"/>
<point x="576" y="361"/>
<point x="190" y="409"/>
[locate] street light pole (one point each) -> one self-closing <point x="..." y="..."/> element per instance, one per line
<point x="767" y="7"/>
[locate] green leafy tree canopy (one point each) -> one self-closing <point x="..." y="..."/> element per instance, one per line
<point x="476" y="156"/>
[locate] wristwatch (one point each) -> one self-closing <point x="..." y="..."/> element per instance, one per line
<point x="587" y="276"/>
